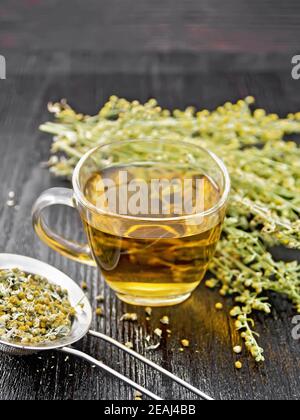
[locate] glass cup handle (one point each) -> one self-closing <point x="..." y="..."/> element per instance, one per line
<point x="71" y="249"/>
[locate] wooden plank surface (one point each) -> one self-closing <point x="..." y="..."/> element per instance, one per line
<point x="156" y="25"/>
<point x="209" y="363"/>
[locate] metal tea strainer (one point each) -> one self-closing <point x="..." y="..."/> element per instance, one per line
<point x="80" y="327"/>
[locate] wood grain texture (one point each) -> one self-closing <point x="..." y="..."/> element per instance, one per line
<point x="156" y="25"/>
<point x="209" y="363"/>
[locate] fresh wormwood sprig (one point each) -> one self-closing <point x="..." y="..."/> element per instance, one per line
<point x="265" y="200"/>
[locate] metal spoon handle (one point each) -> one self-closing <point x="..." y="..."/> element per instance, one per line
<point x="150" y="363"/>
<point x="113" y="372"/>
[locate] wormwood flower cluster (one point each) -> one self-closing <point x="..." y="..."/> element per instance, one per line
<point x="265" y="200"/>
<point x="32" y="310"/>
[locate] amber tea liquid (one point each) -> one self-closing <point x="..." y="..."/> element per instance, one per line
<point x="157" y="263"/>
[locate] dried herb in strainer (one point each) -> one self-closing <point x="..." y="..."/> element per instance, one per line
<point x="32" y="310"/>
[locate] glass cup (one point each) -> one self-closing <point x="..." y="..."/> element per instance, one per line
<point x="152" y="211"/>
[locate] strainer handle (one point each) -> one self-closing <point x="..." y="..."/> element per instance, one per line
<point x="148" y="362"/>
<point x="113" y="372"/>
<point x="71" y="249"/>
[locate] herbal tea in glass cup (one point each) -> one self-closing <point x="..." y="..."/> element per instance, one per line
<point x="152" y="211"/>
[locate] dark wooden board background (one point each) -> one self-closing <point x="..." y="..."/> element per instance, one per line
<point x="190" y="52"/>
<point x="164" y="25"/>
